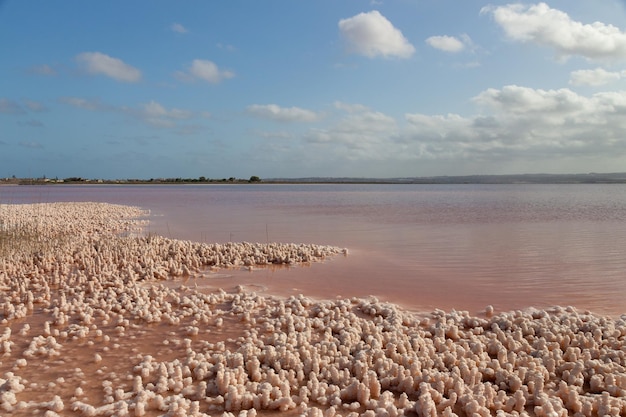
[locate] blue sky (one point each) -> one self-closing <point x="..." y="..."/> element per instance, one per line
<point x="151" y="89"/>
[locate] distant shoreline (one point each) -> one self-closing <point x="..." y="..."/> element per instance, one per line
<point x="589" y="178"/>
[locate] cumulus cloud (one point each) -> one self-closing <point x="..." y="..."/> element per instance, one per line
<point x="521" y="123"/>
<point x="366" y="123"/>
<point x="178" y="28"/>
<point x="154" y="109"/>
<point x="514" y="99"/>
<point x="151" y="113"/>
<point x="438" y="126"/>
<point x="554" y="28"/>
<point x="359" y="133"/>
<point x="204" y="70"/>
<point x="446" y="43"/>
<point x="155" y="114"/>
<point x="282" y="114"/>
<point x="102" y="64"/>
<point x="512" y="125"/>
<point x="594" y="77"/>
<point x="371" y="34"/>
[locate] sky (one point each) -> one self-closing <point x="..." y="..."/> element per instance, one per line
<point x="311" y="88"/>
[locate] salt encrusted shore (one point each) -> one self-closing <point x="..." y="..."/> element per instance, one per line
<point x="96" y="321"/>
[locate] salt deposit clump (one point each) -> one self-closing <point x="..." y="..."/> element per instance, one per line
<point x="94" y="325"/>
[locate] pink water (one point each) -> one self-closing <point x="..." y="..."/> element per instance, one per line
<point x="424" y="246"/>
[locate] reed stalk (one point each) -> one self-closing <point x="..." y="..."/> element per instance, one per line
<point x="25" y="239"/>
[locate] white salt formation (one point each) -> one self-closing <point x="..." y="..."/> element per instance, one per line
<point x="91" y="329"/>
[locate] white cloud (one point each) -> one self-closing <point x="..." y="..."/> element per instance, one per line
<point x="521" y="123"/>
<point x="372" y="35"/>
<point x="438" y="126"/>
<point x="178" y="28"/>
<point x="551" y="27"/>
<point x="152" y="113"/>
<point x="361" y="133"/>
<point x="99" y="63"/>
<point x="366" y="124"/>
<point x="204" y="70"/>
<point x="446" y="43"/>
<point x="155" y="114"/>
<point x="515" y="124"/>
<point x="154" y="109"/>
<point x="594" y="77"/>
<point x="282" y="114"/>
<point x="522" y="100"/>
<point x="512" y="126"/>
<point x="208" y="71"/>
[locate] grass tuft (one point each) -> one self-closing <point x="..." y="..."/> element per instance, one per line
<point x="24" y="239"/>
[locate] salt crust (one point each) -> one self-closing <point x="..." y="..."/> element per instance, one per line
<point x="242" y="354"/>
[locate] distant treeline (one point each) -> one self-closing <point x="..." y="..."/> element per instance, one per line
<point x="80" y="180"/>
<point x="590" y="178"/>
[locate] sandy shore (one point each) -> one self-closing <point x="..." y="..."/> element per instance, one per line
<point x="98" y="319"/>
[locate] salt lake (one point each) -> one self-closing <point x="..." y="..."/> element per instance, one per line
<point x="457" y="247"/>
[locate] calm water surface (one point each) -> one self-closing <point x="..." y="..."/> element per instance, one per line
<point x="423" y="246"/>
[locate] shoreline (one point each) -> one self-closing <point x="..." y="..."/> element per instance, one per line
<point x="524" y="178"/>
<point x="91" y="329"/>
